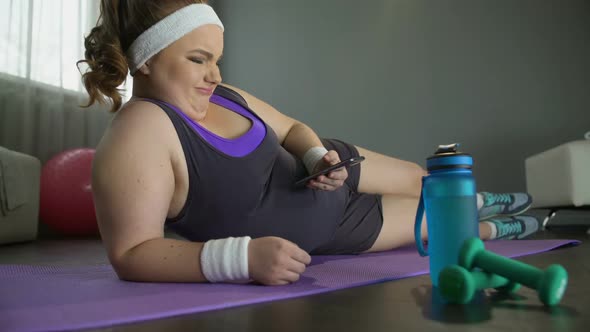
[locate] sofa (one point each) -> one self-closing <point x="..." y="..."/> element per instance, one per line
<point x="20" y="176"/>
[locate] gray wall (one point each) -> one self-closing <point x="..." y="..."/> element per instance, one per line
<point x="507" y="79"/>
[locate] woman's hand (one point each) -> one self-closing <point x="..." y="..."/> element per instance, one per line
<point x="334" y="179"/>
<point x="275" y="261"/>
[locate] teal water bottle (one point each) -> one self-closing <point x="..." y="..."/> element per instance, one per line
<point x="449" y="199"/>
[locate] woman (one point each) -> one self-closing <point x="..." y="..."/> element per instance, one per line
<point x="216" y="164"/>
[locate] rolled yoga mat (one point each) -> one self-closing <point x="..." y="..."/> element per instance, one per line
<point x="52" y="298"/>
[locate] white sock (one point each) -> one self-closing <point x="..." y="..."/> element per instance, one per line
<point x="493" y="227"/>
<point x="479" y="201"/>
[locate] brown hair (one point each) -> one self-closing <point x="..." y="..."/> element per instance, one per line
<point x="119" y="24"/>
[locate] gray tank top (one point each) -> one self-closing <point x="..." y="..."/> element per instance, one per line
<point x="251" y="195"/>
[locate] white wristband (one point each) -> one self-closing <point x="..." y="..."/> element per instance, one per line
<point x="312" y="156"/>
<point x="225" y="259"/>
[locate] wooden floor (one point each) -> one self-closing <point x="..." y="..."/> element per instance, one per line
<point x="401" y="305"/>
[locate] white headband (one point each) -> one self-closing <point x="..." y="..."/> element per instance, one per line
<point x="168" y="30"/>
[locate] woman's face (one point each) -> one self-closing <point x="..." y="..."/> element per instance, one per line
<point x="186" y="72"/>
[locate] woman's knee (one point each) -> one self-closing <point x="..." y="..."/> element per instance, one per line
<point x="417" y="174"/>
<point x="420" y="172"/>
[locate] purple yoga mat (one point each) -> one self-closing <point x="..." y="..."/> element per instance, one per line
<point x="49" y="298"/>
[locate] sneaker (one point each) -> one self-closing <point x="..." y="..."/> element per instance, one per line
<point x="510" y="228"/>
<point x="504" y="204"/>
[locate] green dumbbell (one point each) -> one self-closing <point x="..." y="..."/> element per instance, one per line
<point x="550" y="283"/>
<point x="458" y="285"/>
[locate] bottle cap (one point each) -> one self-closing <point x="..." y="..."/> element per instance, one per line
<point x="448" y="157"/>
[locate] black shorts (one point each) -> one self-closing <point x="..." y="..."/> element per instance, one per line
<point x="363" y="217"/>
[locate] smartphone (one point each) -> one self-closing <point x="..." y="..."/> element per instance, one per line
<point x="345" y="163"/>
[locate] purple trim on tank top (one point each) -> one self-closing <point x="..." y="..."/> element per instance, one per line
<point x="235" y="147"/>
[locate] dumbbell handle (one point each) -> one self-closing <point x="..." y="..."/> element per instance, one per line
<point x="508" y="268"/>
<point x="490" y="280"/>
<point x="458" y="285"/>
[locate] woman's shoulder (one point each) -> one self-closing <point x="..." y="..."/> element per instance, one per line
<point x="280" y="123"/>
<point x="247" y="97"/>
<point x="139" y="126"/>
<point x="141" y="120"/>
<point x="232" y="93"/>
<point x="138" y="114"/>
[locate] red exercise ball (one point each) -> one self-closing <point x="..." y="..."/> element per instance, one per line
<point x="66" y="203"/>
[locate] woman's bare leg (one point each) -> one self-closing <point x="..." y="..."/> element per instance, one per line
<point x="381" y="174"/>
<point x="399" y="213"/>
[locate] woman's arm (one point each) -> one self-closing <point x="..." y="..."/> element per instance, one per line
<point x="133" y="183"/>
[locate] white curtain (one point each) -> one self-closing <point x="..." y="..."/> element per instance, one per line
<point x="40" y="85"/>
